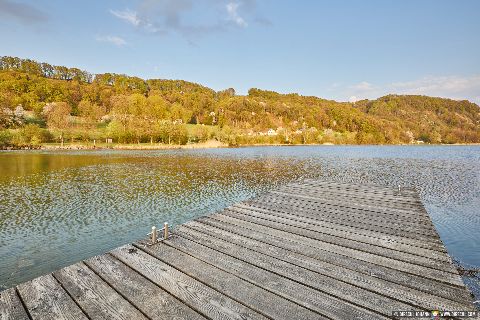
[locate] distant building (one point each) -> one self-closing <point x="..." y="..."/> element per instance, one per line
<point x="271" y="132"/>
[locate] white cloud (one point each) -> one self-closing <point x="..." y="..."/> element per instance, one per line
<point x="232" y="10"/>
<point x="128" y="16"/>
<point x="191" y="19"/>
<point x="363" y="86"/>
<point x="453" y="87"/>
<point x="112" y="39"/>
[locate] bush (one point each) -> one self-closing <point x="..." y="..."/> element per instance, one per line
<point x="5" y="138"/>
<point x="31" y="135"/>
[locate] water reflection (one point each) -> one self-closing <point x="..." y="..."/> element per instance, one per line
<point x="60" y="207"/>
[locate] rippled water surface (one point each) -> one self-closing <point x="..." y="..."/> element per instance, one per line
<point x="57" y="208"/>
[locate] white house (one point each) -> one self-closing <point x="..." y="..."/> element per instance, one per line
<point x="271" y="132"/>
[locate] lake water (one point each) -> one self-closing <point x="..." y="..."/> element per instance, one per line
<point x="57" y="208"/>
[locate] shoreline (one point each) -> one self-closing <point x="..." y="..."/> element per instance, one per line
<point x="203" y="145"/>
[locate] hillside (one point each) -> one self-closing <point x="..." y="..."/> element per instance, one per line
<point x="41" y="103"/>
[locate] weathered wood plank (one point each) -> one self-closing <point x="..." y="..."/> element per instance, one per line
<point x="392" y="242"/>
<point x="412" y="217"/>
<point x="11" y="307"/>
<point x="290" y="242"/>
<point x="351" y="227"/>
<point x="256" y="298"/>
<point x="357" y="220"/>
<point x="94" y="296"/>
<point x="333" y="287"/>
<point x="153" y="301"/>
<point x="45" y="299"/>
<point x="391" y="290"/>
<point x="432" y="268"/>
<point x="195" y="294"/>
<point x="382" y="200"/>
<point x="352" y="204"/>
<point x="386" y="225"/>
<point x="388" y="248"/>
<point x="393" y="193"/>
<point x="309" y="298"/>
<point x="417" y="216"/>
<point x="433" y="274"/>
<point x="363" y="188"/>
<point x="351" y="186"/>
<point x="390" y="199"/>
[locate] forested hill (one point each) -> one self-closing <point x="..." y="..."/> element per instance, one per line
<point x="42" y="103"/>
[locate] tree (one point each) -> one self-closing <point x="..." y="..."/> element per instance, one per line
<point x="57" y="115"/>
<point x="90" y="111"/>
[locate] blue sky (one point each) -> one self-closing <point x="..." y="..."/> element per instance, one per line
<point x="342" y="50"/>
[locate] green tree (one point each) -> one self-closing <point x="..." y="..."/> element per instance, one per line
<point x="57" y="115"/>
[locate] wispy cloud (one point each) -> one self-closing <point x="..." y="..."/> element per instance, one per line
<point x="22" y="12"/>
<point x="189" y="18"/>
<point x="454" y="87"/>
<point x="119" y="42"/>
<point x="362" y="86"/>
<point x="128" y="16"/>
<point x="232" y="10"/>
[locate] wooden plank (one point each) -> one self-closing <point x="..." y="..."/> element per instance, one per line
<point x="433" y="274"/>
<point x="45" y="299"/>
<point x="203" y="299"/>
<point x="357" y="186"/>
<point x="11" y="307"/>
<point x="289" y="242"/>
<point x="153" y="301"/>
<point x="388" y="289"/>
<point x="254" y="297"/>
<point x="347" y="226"/>
<point x="96" y="298"/>
<point x="347" y="231"/>
<point x="432" y="268"/>
<point x="299" y="293"/>
<point x="394" y="199"/>
<point x="385" y="224"/>
<point x="412" y="218"/>
<point x="351" y="204"/>
<point x="384" y="190"/>
<point x="341" y="290"/>
<point x="410" y="214"/>
<point x="362" y="203"/>
<point x="365" y="188"/>
<point x="358" y="189"/>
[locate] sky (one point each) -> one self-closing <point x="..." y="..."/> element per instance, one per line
<point x="344" y="50"/>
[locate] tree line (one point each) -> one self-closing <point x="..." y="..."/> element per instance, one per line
<point x="42" y="103"/>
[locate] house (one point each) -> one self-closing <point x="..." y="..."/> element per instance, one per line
<point x="271" y="132"/>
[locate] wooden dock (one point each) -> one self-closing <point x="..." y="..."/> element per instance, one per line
<point x="308" y="250"/>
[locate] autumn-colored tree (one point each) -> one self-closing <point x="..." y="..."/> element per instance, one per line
<point x="91" y="112"/>
<point x="133" y="109"/>
<point x="57" y="115"/>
